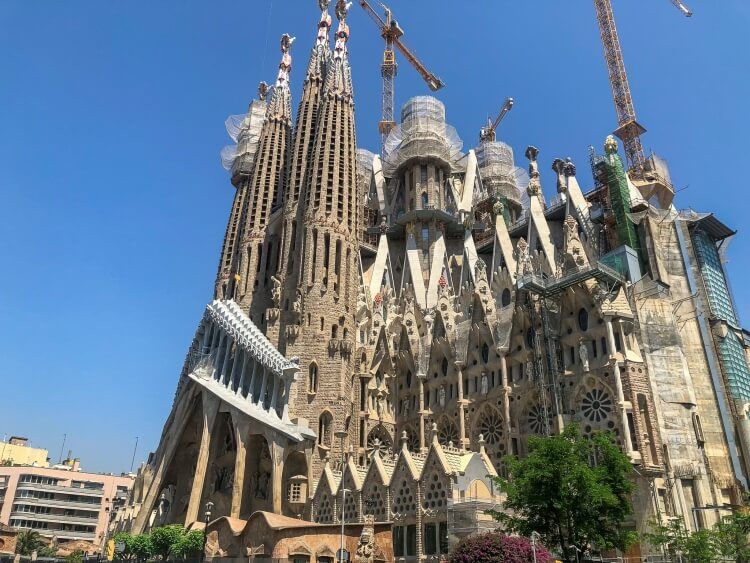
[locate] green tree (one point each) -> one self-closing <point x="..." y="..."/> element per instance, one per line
<point x="573" y="490"/>
<point x="732" y="536"/>
<point x="165" y="538"/>
<point x="74" y="557"/>
<point x="141" y="547"/>
<point x="188" y="545"/>
<point x="46" y="551"/>
<point x="28" y="541"/>
<point x="674" y="539"/>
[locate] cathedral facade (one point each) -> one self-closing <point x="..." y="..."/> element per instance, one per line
<point x="395" y="324"/>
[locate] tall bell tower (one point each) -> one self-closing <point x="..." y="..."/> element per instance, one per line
<point x="320" y="330"/>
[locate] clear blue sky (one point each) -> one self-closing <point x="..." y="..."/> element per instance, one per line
<point x="114" y="202"/>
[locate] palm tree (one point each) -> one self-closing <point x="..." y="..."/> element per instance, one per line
<point x="28" y="541"/>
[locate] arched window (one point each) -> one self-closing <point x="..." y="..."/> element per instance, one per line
<point x="583" y="319"/>
<point x="312" y="379"/>
<point x="485" y="353"/>
<point x="334" y="331"/>
<point x="425" y="200"/>
<point x="505" y="298"/>
<point x="325" y="424"/>
<point x="408" y="379"/>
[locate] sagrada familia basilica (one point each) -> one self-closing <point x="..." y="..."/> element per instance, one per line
<point x="386" y="328"/>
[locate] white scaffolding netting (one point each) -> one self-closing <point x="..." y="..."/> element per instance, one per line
<point x="500" y="176"/>
<point x="244" y="130"/>
<point x="423" y="133"/>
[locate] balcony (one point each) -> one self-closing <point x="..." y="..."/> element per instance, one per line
<point x="59" y="518"/>
<point x="61" y="534"/>
<point x="58" y="503"/>
<point x="60" y="489"/>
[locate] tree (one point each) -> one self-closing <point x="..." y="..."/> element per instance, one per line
<point x="494" y="547"/>
<point x="732" y="536"/>
<point x="699" y="547"/>
<point x="164" y="539"/>
<point x="28" y="541"/>
<point x="46" y="551"/>
<point x="74" y="557"/>
<point x="189" y="544"/>
<point x="573" y="490"/>
<point x="136" y="547"/>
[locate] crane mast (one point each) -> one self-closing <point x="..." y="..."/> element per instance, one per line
<point x="392" y="33"/>
<point x="488" y="133"/>
<point x="628" y="128"/>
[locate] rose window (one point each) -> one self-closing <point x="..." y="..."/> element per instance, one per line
<point x="448" y="433"/>
<point x="491" y="428"/>
<point x="381" y="434"/>
<point x="535" y="419"/>
<point x="596" y="405"/>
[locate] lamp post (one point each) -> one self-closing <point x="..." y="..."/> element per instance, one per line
<point x="207" y="517"/>
<point x="342" y="434"/>
<point x="534" y="536"/>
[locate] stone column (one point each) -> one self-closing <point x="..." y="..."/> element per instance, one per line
<point x="421" y="378"/>
<point x="241" y="382"/>
<point x="210" y="408"/>
<point x="242" y="439"/>
<point x="618" y="386"/>
<point x="506" y="401"/>
<point x="463" y="442"/>
<point x="277" y="470"/>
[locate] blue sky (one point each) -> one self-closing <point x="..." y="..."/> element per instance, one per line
<point x="114" y="202"/>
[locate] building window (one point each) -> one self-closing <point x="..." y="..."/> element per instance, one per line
<point x="618" y="346"/>
<point x="312" y="380"/>
<point x="325" y="422"/>
<point x="411" y="540"/>
<point x="583" y="319"/>
<point x="505" y="298"/>
<point x="430" y="539"/>
<point x="398" y="541"/>
<point x="485" y="353"/>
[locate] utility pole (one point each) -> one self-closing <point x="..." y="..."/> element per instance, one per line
<point x="62" y="448"/>
<point x="132" y="461"/>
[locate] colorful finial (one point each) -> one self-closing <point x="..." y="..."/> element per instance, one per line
<point x="610" y="144"/>
<point x="262" y="90"/>
<point x="324" y="25"/>
<point x="285" y="66"/>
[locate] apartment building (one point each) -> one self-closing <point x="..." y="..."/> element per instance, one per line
<point x="60" y="502"/>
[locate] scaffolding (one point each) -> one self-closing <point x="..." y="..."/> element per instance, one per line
<point x="244" y="130"/>
<point x="469" y="516"/>
<point x="422" y="133"/>
<point x="501" y="178"/>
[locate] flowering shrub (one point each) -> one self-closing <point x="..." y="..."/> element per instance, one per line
<point x="494" y="547"/>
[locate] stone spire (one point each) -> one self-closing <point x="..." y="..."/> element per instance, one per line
<point x="267" y="187"/>
<point x="242" y="173"/>
<point x="304" y="135"/>
<point x="322" y="333"/>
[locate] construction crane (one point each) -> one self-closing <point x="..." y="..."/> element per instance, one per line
<point x="391" y="32"/>
<point x="488" y="133"/>
<point x="628" y="130"/>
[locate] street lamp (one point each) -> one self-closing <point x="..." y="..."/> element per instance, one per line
<point x="342" y="434"/>
<point x="534" y="536"/>
<point x="207" y="517"/>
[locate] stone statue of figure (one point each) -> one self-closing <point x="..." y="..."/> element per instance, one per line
<point x="441" y="395"/>
<point x="481" y="270"/>
<point x="297" y="304"/>
<point x="276" y="291"/>
<point x="485" y="388"/>
<point x="583" y="353"/>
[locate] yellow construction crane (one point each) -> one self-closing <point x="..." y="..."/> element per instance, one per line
<point x="628" y="129"/>
<point x="488" y="133"/>
<point x="392" y="33"/>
